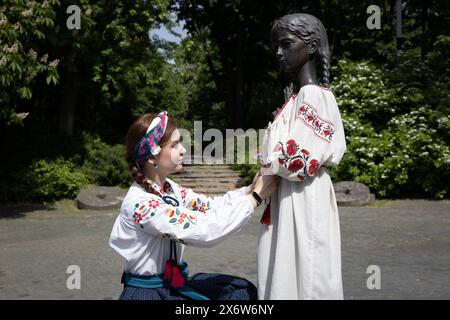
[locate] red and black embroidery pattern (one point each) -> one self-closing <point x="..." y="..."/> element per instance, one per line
<point x="322" y="128"/>
<point x="297" y="160"/>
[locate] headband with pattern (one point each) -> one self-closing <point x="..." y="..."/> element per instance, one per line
<point x="149" y="144"/>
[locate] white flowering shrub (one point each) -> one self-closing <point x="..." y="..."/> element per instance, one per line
<point x="362" y="92"/>
<point x="397" y="139"/>
<point x="23" y="24"/>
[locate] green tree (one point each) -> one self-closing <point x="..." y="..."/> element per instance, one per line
<point x="246" y="75"/>
<point x="23" y="28"/>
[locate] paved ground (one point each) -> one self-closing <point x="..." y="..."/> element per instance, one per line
<point x="408" y="240"/>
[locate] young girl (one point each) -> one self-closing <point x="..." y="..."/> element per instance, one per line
<point x="299" y="254"/>
<point x="158" y="218"/>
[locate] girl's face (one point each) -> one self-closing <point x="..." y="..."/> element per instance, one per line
<point x="171" y="156"/>
<point x="292" y="52"/>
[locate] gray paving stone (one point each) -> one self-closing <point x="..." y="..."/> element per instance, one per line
<point x="408" y="240"/>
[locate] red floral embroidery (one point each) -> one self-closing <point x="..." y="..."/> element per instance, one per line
<point x="137" y="217"/>
<point x="144" y="208"/>
<point x="298" y="162"/>
<point x="291" y="147"/>
<point x="327" y="132"/>
<point x="322" y="128"/>
<point x="296" y="165"/>
<point x="313" y="167"/>
<point x="154" y="203"/>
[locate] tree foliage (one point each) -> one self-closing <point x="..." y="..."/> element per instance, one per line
<point x="59" y="83"/>
<point x="23" y="28"/>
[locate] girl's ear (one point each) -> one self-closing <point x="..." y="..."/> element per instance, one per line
<point x="151" y="161"/>
<point x="313" y="46"/>
<point x="155" y="160"/>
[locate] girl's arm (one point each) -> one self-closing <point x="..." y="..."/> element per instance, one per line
<point x="204" y="223"/>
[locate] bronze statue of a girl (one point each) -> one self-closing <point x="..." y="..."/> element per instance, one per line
<point x="299" y="253"/>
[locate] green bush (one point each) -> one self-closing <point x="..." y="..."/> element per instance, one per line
<point x="244" y="165"/>
<point x="396" y="138"/>
<point x="247" y="171"/>
<point x="397" y="128"/>
<point x="48" y="180"/>
<point x="93" y="162"/>
<point x="361" y="91"/>
<point x="104" y="164"/>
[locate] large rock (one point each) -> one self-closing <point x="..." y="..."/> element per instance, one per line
<point x="353" y="194"/>
<point x="98" y="198"/>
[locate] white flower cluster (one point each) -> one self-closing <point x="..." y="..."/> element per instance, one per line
<point x="13" y="49"/>
<point x="27" y="13"/>
<point x="3" y="21"/>
<point x="16" y="26"/>
<point x="2" y="61"/>
<point x="23" y="115"/>
<point x="54" y="63"/>
<point x="32" y="54"/>
<point x="443" y="122"/>
<point x="44" y="58"/>
<point x="31" y="4"/>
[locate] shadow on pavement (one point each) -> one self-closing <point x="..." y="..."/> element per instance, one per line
<point x="16" y="211"/>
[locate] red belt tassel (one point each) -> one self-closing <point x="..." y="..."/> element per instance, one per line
<point x="172" y="272"/>
<point x="265" y="219"/>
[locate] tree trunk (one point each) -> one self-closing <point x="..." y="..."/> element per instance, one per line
<point x="239" y="99"/>
<point x="424" y="46"/>
<point x="68" y="100"/>
<point x="398" y="11"/>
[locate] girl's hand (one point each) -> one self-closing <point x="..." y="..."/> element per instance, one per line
<point x="266" y="185"/>
<point x="257" y="175"/>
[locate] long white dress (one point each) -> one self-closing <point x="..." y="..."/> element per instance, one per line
<point x="299" y="253"/>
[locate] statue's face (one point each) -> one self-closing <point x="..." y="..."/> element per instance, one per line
<point x="291" y="51"/>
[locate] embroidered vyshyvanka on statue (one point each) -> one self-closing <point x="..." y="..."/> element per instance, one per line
<point x="299" y="254"/>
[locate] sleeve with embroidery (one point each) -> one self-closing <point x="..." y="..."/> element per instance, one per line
<point x="315" y="138"/>
<point x="200" y="202"/>
<point x="197" y="225"/>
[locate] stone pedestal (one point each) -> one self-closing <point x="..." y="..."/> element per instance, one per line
<point x="98" y="198"/>
<point x="352" y="194"/>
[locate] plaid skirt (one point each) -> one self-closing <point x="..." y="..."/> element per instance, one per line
<point x="215" y="286"/>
